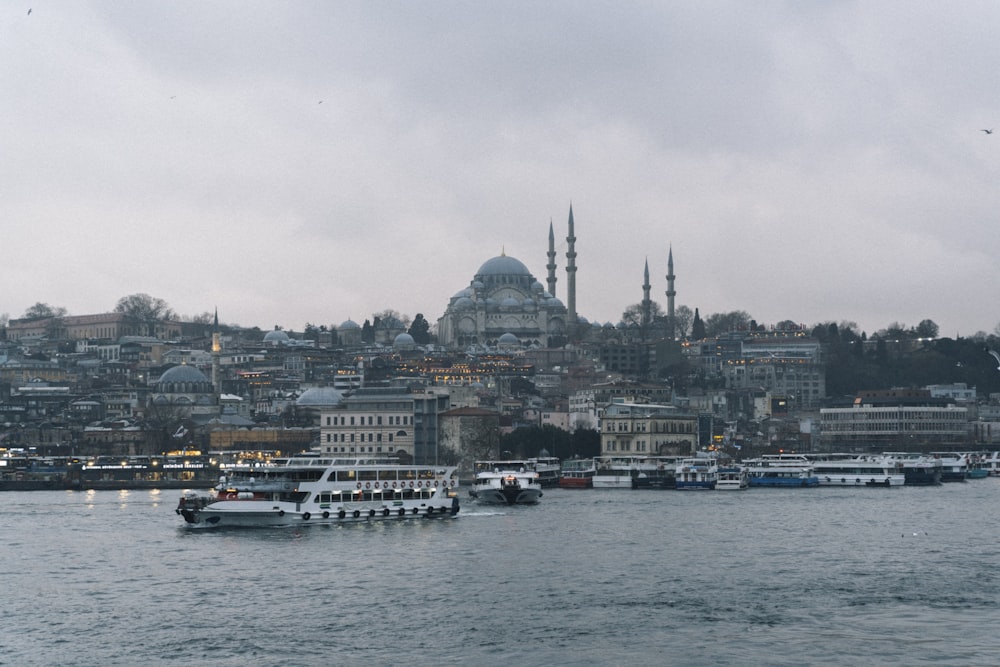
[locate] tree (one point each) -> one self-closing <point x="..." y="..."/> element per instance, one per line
<point x="144" y="310"/>
<point x="720" y="323"/>
<point x="927" y="329"/>
<point x="682" y="321"/>
<point x="420" y="329"/>
<point x="367" y="332"/>
<point x="697" y="327"/>
<point x="391" y="319"/>
<point x="42" y="310"/>
<point x="633" y="314"/>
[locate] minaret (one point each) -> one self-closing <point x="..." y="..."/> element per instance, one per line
<point x="671" y="292"/>
<point x="551" y="266"/>
<point x="647" y="305"/>
<point x="571" y="275"/>
<point x="216" y="350"/>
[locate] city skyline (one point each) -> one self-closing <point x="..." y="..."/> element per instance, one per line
<point x="300" y="163"/>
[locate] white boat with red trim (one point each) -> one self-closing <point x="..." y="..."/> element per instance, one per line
<point x="311" y="489"/>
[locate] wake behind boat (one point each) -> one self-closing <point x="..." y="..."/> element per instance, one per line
<point x="506" y="483"/>
<point x="309" y="489"/>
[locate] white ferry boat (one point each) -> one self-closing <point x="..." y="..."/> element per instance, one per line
<point x="864" y="470"/>
<point x="548" y="468"/>
<point x="781" y="470"/>
<point x="505" y="483"/>
<point x="618" y="472"/>
<point x="732" y="478"/>
<point x="697" y="473"/>
<point x="918" y="470"/>
<point x="954" y="466"/>
<point x="310" y="489"/>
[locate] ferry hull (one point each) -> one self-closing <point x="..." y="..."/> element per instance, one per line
<point x="508" y="497"/>
<point x="862" y="480"/>
<point x="266" y="514"/>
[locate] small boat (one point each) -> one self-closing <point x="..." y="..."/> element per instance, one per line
<point x="732" y="478"/>
<point x="505" y="483"/>
<point x="310" y="489"/>
<point x="697" y="473"/>
<point x="577" y="474"/>
<point x="792" y="470"/>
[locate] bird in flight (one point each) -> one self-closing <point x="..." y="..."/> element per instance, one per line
<point x="29" y="11"/>
<point x="995" y="355"/>
<point x="989" y="131"/>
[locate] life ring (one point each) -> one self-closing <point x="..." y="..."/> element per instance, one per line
<point x="411" y="485"/>
<point x="419" y="484"/>
<point x="368" y="485"/>
<point x="305" y="517"/>
<point x="453" y="482"/>
<point x="857" y="480"/>
<point x="281" y="512"/>
<point x="376" y="485"/>
<point x="416" y="510"/>
<point x="843" y="480"/>
<point x="359" y="485"/>
<point x="326" y="515"/>
<point x="394" y="485"/>
<point x="371" y="513"/>
<point x="385" y="512"/>
<point x="402" y="511"/>
<point x="430" y="510"/>
<point x="341" y="514"/>
<point x="357" y="513"/>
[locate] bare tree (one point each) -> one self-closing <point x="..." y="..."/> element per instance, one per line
<point x="144" y="310"/>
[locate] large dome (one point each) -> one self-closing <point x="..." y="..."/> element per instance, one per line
<point x="320" y="397"/>
<point x="182" y="373"/>
<point x="503" y="266"/>
<point x="276" y="337"/>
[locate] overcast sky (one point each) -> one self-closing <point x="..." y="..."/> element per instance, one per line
<point x="294" y="162"/>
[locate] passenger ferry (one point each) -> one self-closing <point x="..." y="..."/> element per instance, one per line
<point x="697" y="473"/>
<point x="506" y="483"/>
<point x="548" y="468"/>
<point x="954" y="467"/>
<point x="864" y="470"/>
<point x="310" y="489"/>
<point x="918" y="470"/>
<point x="781" y="470"/>
<point x="991" y="461"/>
<point x="617" y="472"/>
<point x="577" y="474"/>
<point x="732" y="478"/>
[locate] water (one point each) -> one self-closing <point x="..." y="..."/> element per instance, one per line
<point x="823" y="576"/>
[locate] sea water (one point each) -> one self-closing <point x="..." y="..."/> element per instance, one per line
<point x="824" y="576"/>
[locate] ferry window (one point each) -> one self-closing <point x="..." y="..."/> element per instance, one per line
<point x="367" y="475"/>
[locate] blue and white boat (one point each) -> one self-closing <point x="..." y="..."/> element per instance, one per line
<point x="697" y="474"/>
<point x="792" y="470"/>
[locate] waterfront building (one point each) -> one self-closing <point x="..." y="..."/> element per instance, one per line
<point x="895" y="420"/>
<point x="647" y="430"/>
<point x="385" y="421"/>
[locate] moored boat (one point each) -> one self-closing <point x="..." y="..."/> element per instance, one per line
<point x="732" y="478"/>
<point x="623" y="472"/>
<point x="548" y="468"/>
<point x="954" y="466"/>
<point x="863" y="470"/>
<point x="310" y="489"/>
<point x="505" y="483"/>
<point x="792" y="470"/>
<point x="577" y="474"/>
<point x="918" y="470"/>
<point x="697" y="473"/>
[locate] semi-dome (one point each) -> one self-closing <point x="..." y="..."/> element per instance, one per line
<point x="320" y="397"/>
<point x="464" y="302"/>
<point x="503" y="266"/>
<point x="507" y="339"/>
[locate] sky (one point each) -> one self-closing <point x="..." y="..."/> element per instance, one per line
<point x="310" y="162"/>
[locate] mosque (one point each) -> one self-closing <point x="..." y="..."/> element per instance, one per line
<point x="504" y="305"/>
